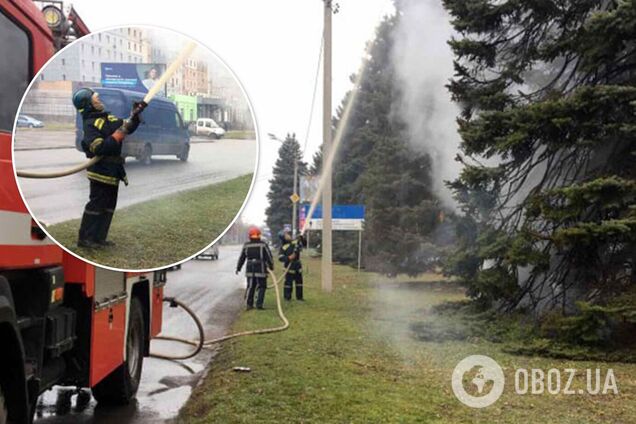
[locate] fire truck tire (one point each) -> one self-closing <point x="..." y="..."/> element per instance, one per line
<point x="120" y="387"/>
<point x="4" y="412"/>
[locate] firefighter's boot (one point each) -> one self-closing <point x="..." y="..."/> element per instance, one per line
<point x="104" y="226"/>
<point x="260" y="299"/>
<point x="287" y="291"/>
<point x="89" y="229"/>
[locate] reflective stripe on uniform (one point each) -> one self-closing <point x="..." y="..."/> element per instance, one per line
<point x="90" y="212"/>
<point x="99" y="123"/>
<point x="95" y="144"/>
<point x="102" y="178"/>
<point x="112" y="118"/>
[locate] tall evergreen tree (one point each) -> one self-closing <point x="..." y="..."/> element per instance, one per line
<point x="279" y="210"/>
<point x="378" y="168"/>
<point x="549" y="102"/>
<point x="316" y="163"/>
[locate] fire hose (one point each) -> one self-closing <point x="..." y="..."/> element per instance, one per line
<point x="328" y="165"/>
<point x="201" y="343"/>
<point x="185" y="53"/>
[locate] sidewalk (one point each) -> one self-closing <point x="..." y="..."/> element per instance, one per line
<point x="44" y="139"/>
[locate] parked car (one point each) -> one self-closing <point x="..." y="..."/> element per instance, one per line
<point x="209" y="128"/>
<point x="211" y="252"/>
<point x="161" y="132"/>
<point x="29" y="122"/>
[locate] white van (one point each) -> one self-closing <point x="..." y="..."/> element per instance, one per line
<point x="209" y="128"/>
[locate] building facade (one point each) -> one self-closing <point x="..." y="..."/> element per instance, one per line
<point x="82" y="61"/>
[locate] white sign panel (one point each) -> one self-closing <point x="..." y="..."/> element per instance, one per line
<point x="338" y="224"/>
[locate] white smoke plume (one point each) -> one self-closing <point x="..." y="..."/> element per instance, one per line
<point x="423" y="63"/>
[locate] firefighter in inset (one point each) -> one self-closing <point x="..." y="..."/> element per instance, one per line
<point x="259" y="260"/>
<point x="289" y="255"/>
<point x="103" y="136"/>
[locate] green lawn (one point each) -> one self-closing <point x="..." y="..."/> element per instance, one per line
<point x="163" y="230"/>
<point x="351" y="357"/>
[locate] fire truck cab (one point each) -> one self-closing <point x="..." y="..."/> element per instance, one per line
<point x="62" y="321"/>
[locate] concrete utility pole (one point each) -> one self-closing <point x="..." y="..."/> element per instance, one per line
<point x="326" y="131"/>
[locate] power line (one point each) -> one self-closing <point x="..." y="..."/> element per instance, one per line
<point x="313" y="96"/>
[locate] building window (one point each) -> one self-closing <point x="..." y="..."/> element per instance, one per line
<point x="63" y="77"/>
<point x="99" y="37"/>
<point x="63" y="62"/>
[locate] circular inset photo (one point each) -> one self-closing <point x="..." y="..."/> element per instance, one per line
<point x="135" y="148"/>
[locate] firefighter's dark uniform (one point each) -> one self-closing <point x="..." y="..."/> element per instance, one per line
<point x="259" y="259"/>
<point x="295" y="272"/>
<point x="104" y="175"/>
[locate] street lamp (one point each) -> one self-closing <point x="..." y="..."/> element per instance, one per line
<point x="294" y="189"/>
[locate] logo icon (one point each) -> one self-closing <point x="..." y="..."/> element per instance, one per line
<point x="485" y="378"/>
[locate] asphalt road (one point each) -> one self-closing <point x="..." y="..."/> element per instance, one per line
<point x="60" y="199"/>
<point x="215" y="294"/>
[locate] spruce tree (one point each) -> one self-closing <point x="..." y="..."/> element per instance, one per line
<point x="548" y="131"/>
<point x="378" y="168"/>
<point x="279" y="210"/>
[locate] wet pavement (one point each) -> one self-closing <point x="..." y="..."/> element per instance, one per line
<point x="215" y="293"/>
<point x="210" y="162"/>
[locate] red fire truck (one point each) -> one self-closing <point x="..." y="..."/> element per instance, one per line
<point x="62" y="321"/>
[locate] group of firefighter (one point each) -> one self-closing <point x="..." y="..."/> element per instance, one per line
<point x="258" y="261"/>
<point x="103" y="136"/>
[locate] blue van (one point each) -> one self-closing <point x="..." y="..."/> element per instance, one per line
<point x="161" y="132"/>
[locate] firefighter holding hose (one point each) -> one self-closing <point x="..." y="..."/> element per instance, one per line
<point x="289" y="255"/>
<point x="259" y="260"/>
<point x="103" y="136"/>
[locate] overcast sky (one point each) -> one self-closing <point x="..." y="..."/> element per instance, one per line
<point x="272" y="46"/>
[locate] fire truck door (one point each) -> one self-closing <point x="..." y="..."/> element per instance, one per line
<point x="109" y="324"/>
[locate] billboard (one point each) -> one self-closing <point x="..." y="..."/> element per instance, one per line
<point x="343" y="217"/>
<point x="132" y="76"/>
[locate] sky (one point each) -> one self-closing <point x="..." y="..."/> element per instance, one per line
<point x="272" y="47"/>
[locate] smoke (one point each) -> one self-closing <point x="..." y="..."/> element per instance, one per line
<point x="423" y="63"/>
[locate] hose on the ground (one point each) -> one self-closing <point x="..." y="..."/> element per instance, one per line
<point x="56" y="174"/>
<point x="202" y="343"/>
<point x="198" y="346"/>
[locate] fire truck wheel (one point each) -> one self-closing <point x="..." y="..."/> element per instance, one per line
<point x="120" y="387"/>
<point x="3" y="409"/>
